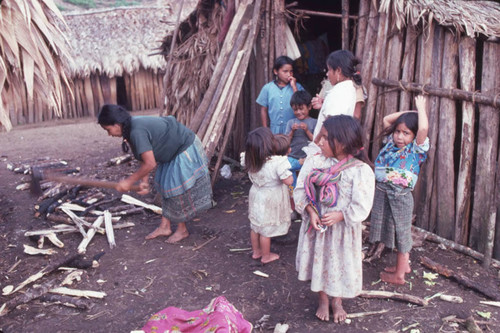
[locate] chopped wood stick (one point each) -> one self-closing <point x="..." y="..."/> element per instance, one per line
<point x="91" y="208"/>
<point x="454" y="246"/>
<point x="56" y="229"/>
<point x="240" y="250"/>
<point x="45" y="271"/>
<point x="78" y="303"/>
<point x="77" y="292"/>
<point x="486" y="290"/>
<point x="123" y="225"/>
<point x="119" y="160"/>
<point x="92" y="219"/>
<point x="54" y="240"/>
<point x="82" y="248"/>
<point x="204" y="243"/>
<point x="132" y="211"/>
<point x="14" y="266"/>
<point x="72" y="207"/>
<point x="34" y="251"/>
<point x="120" y="208"/>
<point x="392" y="295"/>
<point x="364" y="314"/>
<point x="72" y="276"/>
<point x="497" y="304"/>
<point x="110" y="235"/>
<point x="77" y="220"/>
<point x="131" y="200"/>
<point x="58" y="219"/>
<point x="94" y="198"/>
<point x="375" y="252"/>
<point x="28" y="295"/>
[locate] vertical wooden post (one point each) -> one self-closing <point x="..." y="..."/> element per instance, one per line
<point x="467" y="60"/>
<point x="486" y="151"/>
<point x="279" y="27"/>
<point x="373" y="89"/>
<point x="364" y="11"/>
<point x="345" y="24"/>
<point x="445" y="173"/>
<point x="408" y="74"/>
<point x="430" y="57"/>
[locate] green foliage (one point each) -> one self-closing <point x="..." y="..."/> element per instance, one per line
<point x="82" y="3"/>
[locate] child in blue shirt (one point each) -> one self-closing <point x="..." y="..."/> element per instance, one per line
<point x="274" y="98"/>
<point x="299" y="129"/>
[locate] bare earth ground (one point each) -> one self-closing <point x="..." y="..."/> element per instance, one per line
<point x="143" y="277"/>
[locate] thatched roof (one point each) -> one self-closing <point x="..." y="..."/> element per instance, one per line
<point x="33" y="53"/>
<point x="117" y="41"/>
<point x="471" y="17"/>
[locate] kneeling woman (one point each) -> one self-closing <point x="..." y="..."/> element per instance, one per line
<point x="182" y="175"/>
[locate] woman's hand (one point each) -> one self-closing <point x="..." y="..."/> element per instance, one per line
<point x="332" y="218"/>
<point x="293" y="83"/>
<point x="315" y="220"/>
<point x="144" y="187"/>
<point x="124" y="185"/>
<point x="317" y="102"/>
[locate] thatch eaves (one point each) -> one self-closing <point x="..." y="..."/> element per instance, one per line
<point x="471" y="17"/>
<point x="117" y="41"/>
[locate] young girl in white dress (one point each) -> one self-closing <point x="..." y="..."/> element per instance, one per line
<point x="269" y="201"/>
<point x="334" y="194"/>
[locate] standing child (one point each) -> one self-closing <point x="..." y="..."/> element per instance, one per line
<point x="268" y="202"/>
<point x="396" y="171"/>
<point x="300" y="130"/>
<point x="334" y="194"/>
<point x="274" y="98"/>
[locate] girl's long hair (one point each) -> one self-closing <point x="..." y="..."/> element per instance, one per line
<point x="258" y="147"/>
<point x="347" y="63"/>
<point x="410" y="119"/>
<point x="348" y="132"/>
<point x="111" y="114"/>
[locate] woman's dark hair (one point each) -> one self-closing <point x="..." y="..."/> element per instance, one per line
<point x="111" y="114"/>
<point x="282" y="61"/>
<point x="281" y="144"/>
<point x="410" y="119"/>
<point x="346" y="131"/>
<point x="347" y="63"/>
<point x="258" y="147"/>
<point x="301" y="97"/>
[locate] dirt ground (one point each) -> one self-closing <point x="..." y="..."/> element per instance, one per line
<point x="143" y="277"/>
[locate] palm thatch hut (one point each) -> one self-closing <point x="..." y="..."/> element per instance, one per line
<point x="113" y="58"/>
<point x="33" y="54"/>
<point x="447" y="50"/>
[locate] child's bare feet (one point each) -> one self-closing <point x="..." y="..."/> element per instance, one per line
<point x="339" y="314"/>
<point x="392" y="269"/>
<point x="392" y="278"/>
<point x="323" y="312"/>
<point x="159" y="232"/>
<point x="256" y="255"/>
<point x="177" y="236"/>
<point x="269" y="258"/>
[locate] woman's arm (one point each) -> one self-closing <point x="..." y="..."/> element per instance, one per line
<point x="263" y="116"/>
<point x="288" y="181"/>
<point x="147" y="165"/>
<point x="423" y="122"/>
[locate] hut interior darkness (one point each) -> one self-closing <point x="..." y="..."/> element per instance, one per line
<point x="446" y="50"/>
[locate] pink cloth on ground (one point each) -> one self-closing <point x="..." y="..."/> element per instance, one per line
<point x="218" y="316"/>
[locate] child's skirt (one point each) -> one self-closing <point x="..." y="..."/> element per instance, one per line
<point x="391" y="216"/>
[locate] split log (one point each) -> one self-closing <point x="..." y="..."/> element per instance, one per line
<point x="119" y="160"/>
<point x="488" y="291"/>
<point x="467" y="59"/>
<point x="445" y="163"/>
<point x="131" y="200"/>
<point x="48" y="269"/>
<point x="364" y="314"/>
<point x="78" y="221"/>
<point x="452" y="245"/>
<point x="110" y="235"/>
<point x="34" y="251"/>
<point x="78" y="303"/>
<point x="82" y="248"/>
<point x="77" y="293"/>
<point x="392" y="295"/>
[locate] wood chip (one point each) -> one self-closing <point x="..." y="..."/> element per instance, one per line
<point x="262" y="274"/>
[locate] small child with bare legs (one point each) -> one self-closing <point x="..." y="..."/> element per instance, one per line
<point x="268" y="201"/>
<point x="396" y="171"/>
<point x="334" y="195"/>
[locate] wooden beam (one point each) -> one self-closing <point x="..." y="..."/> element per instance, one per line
<point x="324" y="14"/>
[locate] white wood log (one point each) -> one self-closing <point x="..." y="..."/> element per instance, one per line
<point x="82" y="248"/>
<point x="133" y="201"/>
<point x="108" y="224"/>
<point x="77" y="292"/>
<point x="34" y="251"/>
<point x="77" y="220"/>
<point x="54" y="240"/>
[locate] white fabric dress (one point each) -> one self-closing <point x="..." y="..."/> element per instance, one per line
<point x="269" y="209"/>
<point x="332" y="259"/>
